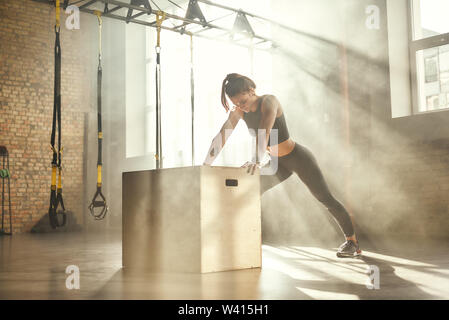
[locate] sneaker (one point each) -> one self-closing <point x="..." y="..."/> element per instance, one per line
<point x="349" y="249"/>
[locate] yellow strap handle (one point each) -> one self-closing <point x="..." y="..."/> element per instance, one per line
<point x="98" y="175"/>
<point x="100" y="136"/>
<point x="160" y="17"/>
<point x="60" y="178"/>
<point x="53" y="178"/>
<point x="60" y="171"/>
<point x="53" y="172"/>
<point x="58" y="10"/>
<point x="98" y="14"/>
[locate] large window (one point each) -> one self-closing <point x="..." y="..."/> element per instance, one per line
<point x="429" y="54"/>
<point x="212" y="61"/>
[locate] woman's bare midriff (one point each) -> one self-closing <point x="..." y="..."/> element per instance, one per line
<point x="282" y="149"/>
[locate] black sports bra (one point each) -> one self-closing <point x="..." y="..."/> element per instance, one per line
<point x="252" y="120"/>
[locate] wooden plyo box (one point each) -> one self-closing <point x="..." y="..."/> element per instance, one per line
<point x="192" y="219"/>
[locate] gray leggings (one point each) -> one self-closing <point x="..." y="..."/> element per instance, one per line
<point x="303" y="163"/>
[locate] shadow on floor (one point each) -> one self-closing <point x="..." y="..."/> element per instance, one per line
<point x="356" y="281"/>
<point x="228" y="285"/>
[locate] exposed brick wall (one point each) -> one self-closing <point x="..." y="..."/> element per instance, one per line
<point x="26" y="106"/>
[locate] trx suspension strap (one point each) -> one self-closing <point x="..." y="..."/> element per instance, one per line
<point x="192" y="98"/>
<point x="5" y="177"/>
<point x="56" y="194"/>
<point x="160" y="16"/>
<point x="99" y="203"/>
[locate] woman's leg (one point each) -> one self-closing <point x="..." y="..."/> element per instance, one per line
<point x="303" y="163"/>
<point x="269" y="181"/>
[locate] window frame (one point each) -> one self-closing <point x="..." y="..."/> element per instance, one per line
<point x="414" y="47"/>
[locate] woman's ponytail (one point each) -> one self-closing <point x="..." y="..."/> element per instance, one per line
<point x="224" y="102"/>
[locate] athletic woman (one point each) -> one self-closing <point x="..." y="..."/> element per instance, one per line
<point x="266" y="113"/>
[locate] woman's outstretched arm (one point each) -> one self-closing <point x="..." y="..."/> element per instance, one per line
<point x="220" y="139"/>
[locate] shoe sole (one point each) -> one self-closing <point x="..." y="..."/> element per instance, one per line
<point x="347" y="255"/>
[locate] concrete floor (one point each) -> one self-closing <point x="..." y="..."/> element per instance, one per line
<point x="32" y="266"/>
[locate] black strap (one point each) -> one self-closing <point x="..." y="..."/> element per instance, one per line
<point x="53" y="213"/>
<point x="100" y="138"/>
<point x="102" y="202"/>
<point x="5" y="180"/>
<point x="57" y="103"/>
<point x="98" y="204"/>
<point x="56" y="195"/>
<point x="159" y="162"/>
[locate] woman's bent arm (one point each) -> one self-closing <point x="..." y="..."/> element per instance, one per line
<point x="269" y="110"/>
